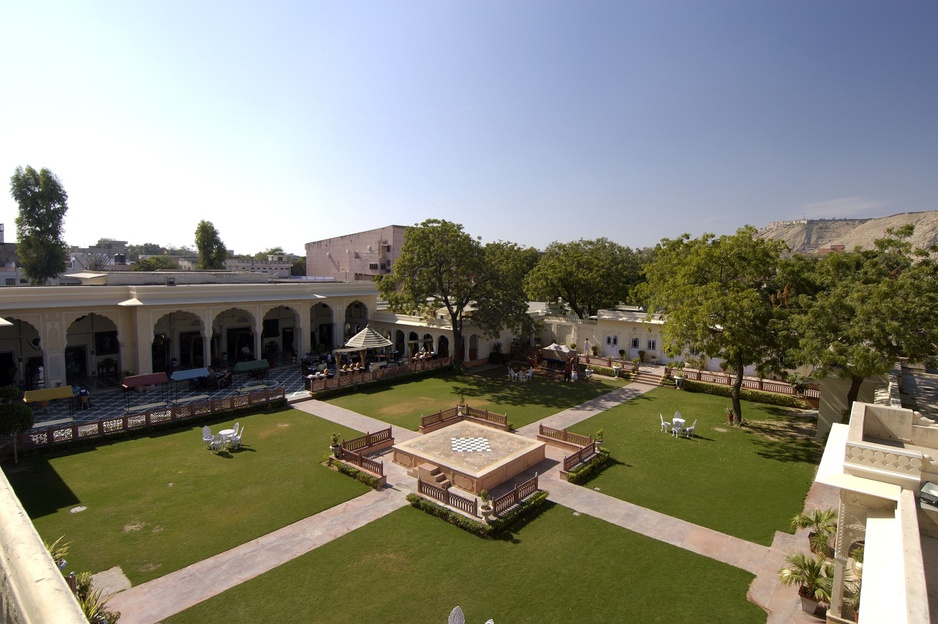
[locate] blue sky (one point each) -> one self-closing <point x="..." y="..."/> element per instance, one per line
<point x="288" y="122"/>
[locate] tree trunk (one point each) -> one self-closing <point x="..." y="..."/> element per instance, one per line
<point x="855" y="383"/>
<point x="737" y="386"/>
<point x="457" y="342"/>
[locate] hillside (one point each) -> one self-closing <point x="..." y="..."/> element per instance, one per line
<point x="811" y="236"/>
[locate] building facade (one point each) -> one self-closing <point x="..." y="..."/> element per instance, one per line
<point x="355" y="257"/>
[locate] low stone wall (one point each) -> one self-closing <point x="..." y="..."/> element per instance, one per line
<point x="32" y="589"/>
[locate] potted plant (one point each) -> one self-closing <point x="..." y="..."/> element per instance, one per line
<point x="814" y="577"/>
<point x="729" y="415"/>
<point x="636" y="362"/>
<point x="641" y="355"/>
<point x="486" y="507"/>
<point x="335" y="446"/>
<point x="461" y="408"/>
<point x="823" y="525"/>
<point x="599" y="438"/>
<point x="621" y="354"/>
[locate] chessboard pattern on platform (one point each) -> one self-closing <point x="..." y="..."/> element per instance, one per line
<point x="470" y="445"/>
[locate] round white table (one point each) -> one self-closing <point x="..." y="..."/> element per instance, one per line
<point x="226" y="433"/>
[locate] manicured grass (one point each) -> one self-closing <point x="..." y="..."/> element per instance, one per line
<point x="744" y="481"/>
<point x="409" y="567"/>
<point x="403" y="404"/>
<point x="158" y="503"/>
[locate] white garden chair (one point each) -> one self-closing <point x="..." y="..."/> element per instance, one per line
<point x="237" y="428"/>
<point x="219" y="442"/>
<point x="665" y="425"/>
<point x="235" y="440"/>
<point x="207" y="436"/>
<point x="677" y="429"/>
<point x="689" y="432"/>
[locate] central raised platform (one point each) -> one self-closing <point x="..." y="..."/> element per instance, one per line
<point x="473" y="457"/>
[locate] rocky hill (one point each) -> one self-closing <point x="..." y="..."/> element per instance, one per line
<point x="806" y="236"/>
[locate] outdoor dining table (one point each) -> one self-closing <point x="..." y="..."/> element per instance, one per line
<point x="678" y="422"/>
<point x="226" y="433"/>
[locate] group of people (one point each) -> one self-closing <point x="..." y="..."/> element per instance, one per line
<point x="570" y="369"/>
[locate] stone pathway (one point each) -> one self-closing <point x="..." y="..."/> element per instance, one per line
<point x="150" y="602"/>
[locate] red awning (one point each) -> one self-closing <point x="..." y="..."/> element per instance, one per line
<point x="150" y="379"/>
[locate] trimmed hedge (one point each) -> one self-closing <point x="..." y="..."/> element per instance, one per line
<point x="756" y="396"/>
<point x="524" y="510"/>
<point x="608" y="372"/>
<point x="584" y="472"/>
<point x="365" y="477"/>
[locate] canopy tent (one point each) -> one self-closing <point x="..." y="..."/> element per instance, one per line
<point x="189" y="375"/>
<point x="556" y="351"/>
<point x="254" y="365"/>
<point x="139" y="381"/>
<point x="368" y="339"/>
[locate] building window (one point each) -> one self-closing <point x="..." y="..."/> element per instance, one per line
<point x="11" y="281"/>
<point x="652" y="345"/>
<point x="634" y="343"/>
<point x="373" y="266"/>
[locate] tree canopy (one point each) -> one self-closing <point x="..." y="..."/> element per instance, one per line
<point x="154" y="263"/>
<point x="441" y="266"/>
<point x="872" y="308"/>
<point x="15" y="418"/>
<point x="43" y="203"/>
<point x="586" y="275"/>
<point x="212" y="252"/>
<point x="721" y="296"/>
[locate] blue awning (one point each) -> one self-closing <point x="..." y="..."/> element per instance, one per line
<point x="192" y="373"/>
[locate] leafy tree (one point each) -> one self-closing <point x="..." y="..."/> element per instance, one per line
<point x="212" y="252"/>
<point x="441" y="266"/>
<point x="95" y="261"/>
<point x="504" y="304"/>
<point x="721" y="296"/>
<point x="154" y="263"/>
<point x="272" y="251"/>
<point x="146" y="249"/>
<point x="299" y="267"/>
<point x="42" y="204"/>
<point x="15" y="418"/>
<point x="587" y="275"/>
<point x="874" y="307"/>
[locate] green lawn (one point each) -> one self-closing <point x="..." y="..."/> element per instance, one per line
<point x="404" y="403"/>
<point x="409" y="567"/>
<point x="740" y="481"/>
<point x="160" y="502"/>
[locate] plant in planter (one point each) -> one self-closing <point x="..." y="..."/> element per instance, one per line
<point x="641" y="355"/>
<point x="621" y="354"/>
<point x="823" y="525"/>
<point x="486" y="507"/>
<point x="599" y="438"/>
<point x="461" y="408"/>
<point x="636" y="362"/>
<point x="335" y="446"/>
<point x="814" y="577"/>
<point x="573" y="346"/>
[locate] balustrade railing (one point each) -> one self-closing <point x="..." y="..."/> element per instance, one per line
<point x="58" y="434"/>
<point x="368" y="440"/>
<point x="515" y="496"/>
<point x="376" y="467"/>
<point x="570" y="461"/>
<point x="365" y="376"/>
<point x="563" y="435"/>
<point x="470" y="506"/>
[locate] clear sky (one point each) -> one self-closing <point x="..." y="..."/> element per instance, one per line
<point x="288" y="122"/>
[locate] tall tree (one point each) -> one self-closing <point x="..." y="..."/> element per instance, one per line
<point x="15" y="416"/>
<point x="721" y="297"/>
<point x="212" y="252"/>
<point x="441" y="266"/>
<point x="42" y="206"/>
<point x="874" y="307"/>
<point x="586" y="275"/>
<point x="502" y="302"/>
<point x="146" y="249"/>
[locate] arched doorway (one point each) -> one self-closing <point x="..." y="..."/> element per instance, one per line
<point x="92" y="350"/>
<point x="474" y="347"/>
<point x="321" y="328"/>
<point x="178" y="342"/>
<point x="442" y="348"/>
<point x="233" y="337"/>
<point x="278" y="339"/>
<point x="21" y="356"/>
<point x="427" y="343"/>
<point x="413" y="344"/>
<point x="356" y="317"/>
<point x="399" y="345"/>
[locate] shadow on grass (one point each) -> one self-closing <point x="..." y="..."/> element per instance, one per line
<point x="511" y="534"/>
<point x="539" y="391"/>
<point x="39" y="487"/>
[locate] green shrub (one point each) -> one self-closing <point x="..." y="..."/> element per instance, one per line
<point x="526" y="509"/>
<point x="582" y="473"/>
<point x="755" y="396"/>
<point x="365" y="477"/>
<point x="386" y="381"/>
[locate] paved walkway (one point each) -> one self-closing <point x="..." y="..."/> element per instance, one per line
<point x="150" y="602"/>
